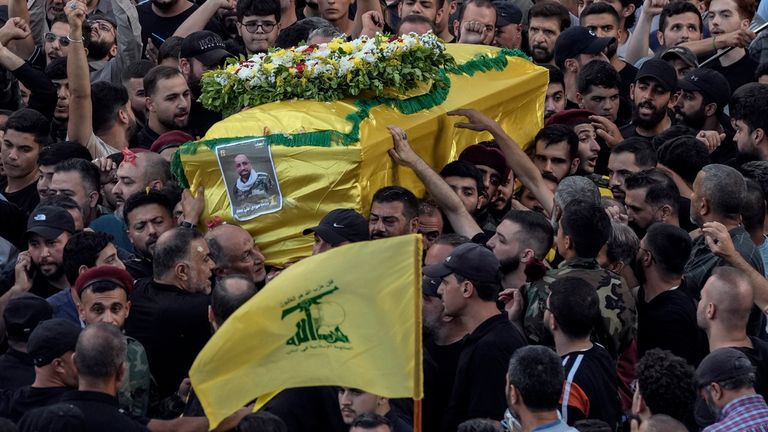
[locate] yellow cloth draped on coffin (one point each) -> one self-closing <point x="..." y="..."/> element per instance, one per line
<point x="349" y="317"/>
<point x="315" y="180"/>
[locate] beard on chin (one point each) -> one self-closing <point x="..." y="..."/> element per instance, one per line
<point x="694" y="120"/>
<point x="164" y="4"/>
<point x="509" y="265"/>
<point x="98" y="49"/>
<point x="611" y="50"/>
<point x="542" y="55"/>
<point x="55" y="274"/>
<point x="656" y="117"/>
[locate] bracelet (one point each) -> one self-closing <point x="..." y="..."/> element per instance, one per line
<point x="714" y="38"/>
<point x="187" y="224"/>
<point x="81" y="40"/>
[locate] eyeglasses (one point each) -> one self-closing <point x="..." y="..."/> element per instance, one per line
<point x="102" y="26"/>
<point x="51" y="38"/>
<point x="266" y="26"/>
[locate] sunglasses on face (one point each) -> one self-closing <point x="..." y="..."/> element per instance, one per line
<point x="51" y="38"/>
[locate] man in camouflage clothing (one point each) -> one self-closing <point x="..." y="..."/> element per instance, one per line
<point x="584" y="229"/>
<point x="103" y="293"/>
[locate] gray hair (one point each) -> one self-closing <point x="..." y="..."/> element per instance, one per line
<point x="325" y="32"/>
<point x="573" y="187"/>
<point x="100" y="352"/>
<point x="724" y="188"/>
<point x="623" y="244"/>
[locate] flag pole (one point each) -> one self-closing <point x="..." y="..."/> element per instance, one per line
<point x="417" y="415"/>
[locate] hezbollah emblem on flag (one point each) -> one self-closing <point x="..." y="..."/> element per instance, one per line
<point x="321" y="319"/>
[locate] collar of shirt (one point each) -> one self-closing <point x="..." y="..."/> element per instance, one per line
<point x="744" y="403"/>
<point x="578" y="262"/>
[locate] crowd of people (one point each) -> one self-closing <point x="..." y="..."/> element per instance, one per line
<point x="610" y="277"/>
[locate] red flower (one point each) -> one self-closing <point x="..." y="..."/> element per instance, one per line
<point x="309" y="49"/>
<point x="300" y="67"/>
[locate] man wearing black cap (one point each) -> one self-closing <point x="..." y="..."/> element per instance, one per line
<point x="469" y="288"/>
<point x="650" y="93"/>
<point x="48" y="230"/>
<point x="51" y="346"/>
<point x="681" y="58"/>
<point x="574" y="48"/>
<point x="21" y="316"/>
<point x="337" y="228"/>
<point x="509" y="32"/>
<point x="725" y="380"/>
<point x="705" y="93"/>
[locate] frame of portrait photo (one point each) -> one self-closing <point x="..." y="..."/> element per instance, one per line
<point x="250" y="178"/>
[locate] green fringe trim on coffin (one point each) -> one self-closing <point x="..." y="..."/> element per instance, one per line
<point x="436" y="96"/>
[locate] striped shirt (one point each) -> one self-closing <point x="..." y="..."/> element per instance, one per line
<point x="745" y="414"/>
<point x="590" y="387"/>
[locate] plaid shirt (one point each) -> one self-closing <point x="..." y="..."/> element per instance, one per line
<point x="745" y="414"/>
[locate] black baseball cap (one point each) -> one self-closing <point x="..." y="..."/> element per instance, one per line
<point x="708" y="82"/>
<point x="507" y="13"/>
<point x="682" y="53"/>
<point x="430" y="285"/>
<point x="660" y="71"/>
<point x="22" y="314"/>
<point x="341" y="225"/>
<point x="470" y="260"/>
<point x="721" y="365"/>
<point x="49" y="222"/>
<point x="52" y="339"/>
<point x="205" y="46"/>
<point x="579" y="40"/>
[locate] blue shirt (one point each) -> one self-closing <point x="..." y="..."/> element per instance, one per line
<point x="555" y="426"/>
<point x="64" y="306"/>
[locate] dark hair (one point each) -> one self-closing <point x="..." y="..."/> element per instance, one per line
<point x="757" y="171"/>
<point x="748" y="105"/>
<point x="57" y="69"/>
<point x="261" y="421"/>
<point x="173" y="249"/>
<point x="724" y="188"/>
<point x="555" y="74"/>
<point x="537" y="233"/>
<point x="399" y="194"/>
<point x="171" y="48"/>
<point x="459" y="168"/>
<point x="597" y="73"/>
<point x="248" y="8"/>
<point x="557" y="133"/>
<point x="59" y="200"/>
<point x="142" y="199"/>
<point x="645" y="155"/>
<point x="61" y="17"/>
<point x="592" y="425"/>
<point x="599" y="8"/>
<point x="101" y="351"/>
<point x="670" y="246"/>
<point x="478" y="425"/>
<point x="225" y="301"/>
<point x="60" y="151"/>
<point x="678" y="8"/>
<point x="109" y="99"/>
<point x="477" y="3"/>
<point x="762" y="69"/>
<point x="416" y="19"/>
<point x="82" y="249"/>
<point x="295" y="34"/>
<point x="629" y="22"/>
<point x="753" y="209"/>
<point x="588" y="226"/>
<point x="156" y="74"/>
<point x="29" y="121"/>
<point x="89" y="173"/>
<point x="574" y="304"/>
<point x="138" y="69"/>
<point x="666" y="384"/>
<point x="537" y="374"/>
<point x="675" y="131"/>
<point x="685" y="155"/>
<point x="486" y="291"/>
<point x="370" y="421"/>
<point x="452" y="239"/>
<point x="660" y="189"/>
<point x="746" y="8"/>
<point x="663" y="423"/>
<point x="551" y="9"/>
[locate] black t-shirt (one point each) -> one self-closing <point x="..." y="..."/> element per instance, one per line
<point x="308" y="409"/>
<point x="158" y="29"/>
<point x="102" y="412"/>
<point x="16" y="370"/>
<point x="627" y="75"/>
<point x="14" y="403"/>
<point x="26" y="198"/>
<point x="444" y="360"/>
<point x="590" y="390"/>
<point x="758" y="355"/>
<point x="739" y="73"/>
<point x="668" y="322"/>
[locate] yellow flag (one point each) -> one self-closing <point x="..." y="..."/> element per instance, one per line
<point x="349" y="317"/>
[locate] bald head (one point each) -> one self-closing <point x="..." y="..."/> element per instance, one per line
<point x="724" y="188"/>
<point x="730" y="293"/>
<point x="662" y="423"/>
<point x="154" y="166"/>
<point x="100" y="352"/>
<point x="228" y="295"/>
<point x="235" y="253"/>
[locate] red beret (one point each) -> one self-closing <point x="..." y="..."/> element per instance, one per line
<point x="571" y="117"/>
<point x="104" y="273"/>
<point x="173" y="138"/>
<point x="478" y="154"/>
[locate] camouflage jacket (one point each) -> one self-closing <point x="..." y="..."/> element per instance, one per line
<point x="617" y="327"/>
<point x="134" y="390"/>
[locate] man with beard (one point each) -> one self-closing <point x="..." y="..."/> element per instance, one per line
<point x="168" y="103"/>
<point x="726" y="381"/>
<point x="394" y="212"/>
<point x="201" y="51"/>
<point x="42" y="265"/>
<point x="78" y="179"/>
<point x="666" y="316"/>
<point x="630" y="156"/>
<point x="115" y="43"/>
<point x="749" y="114"/>
<point x="148" y="216"/>
<point x="574" y="48"/>
<point x="650" y="93"/>
<point x="679" y="23"/>
<point x="705" y="93"/>
<point x="727" y="16"/>
<point x="251" y="186"/>
<point x="546" y="20"/>
<point x="651" y="197"/>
